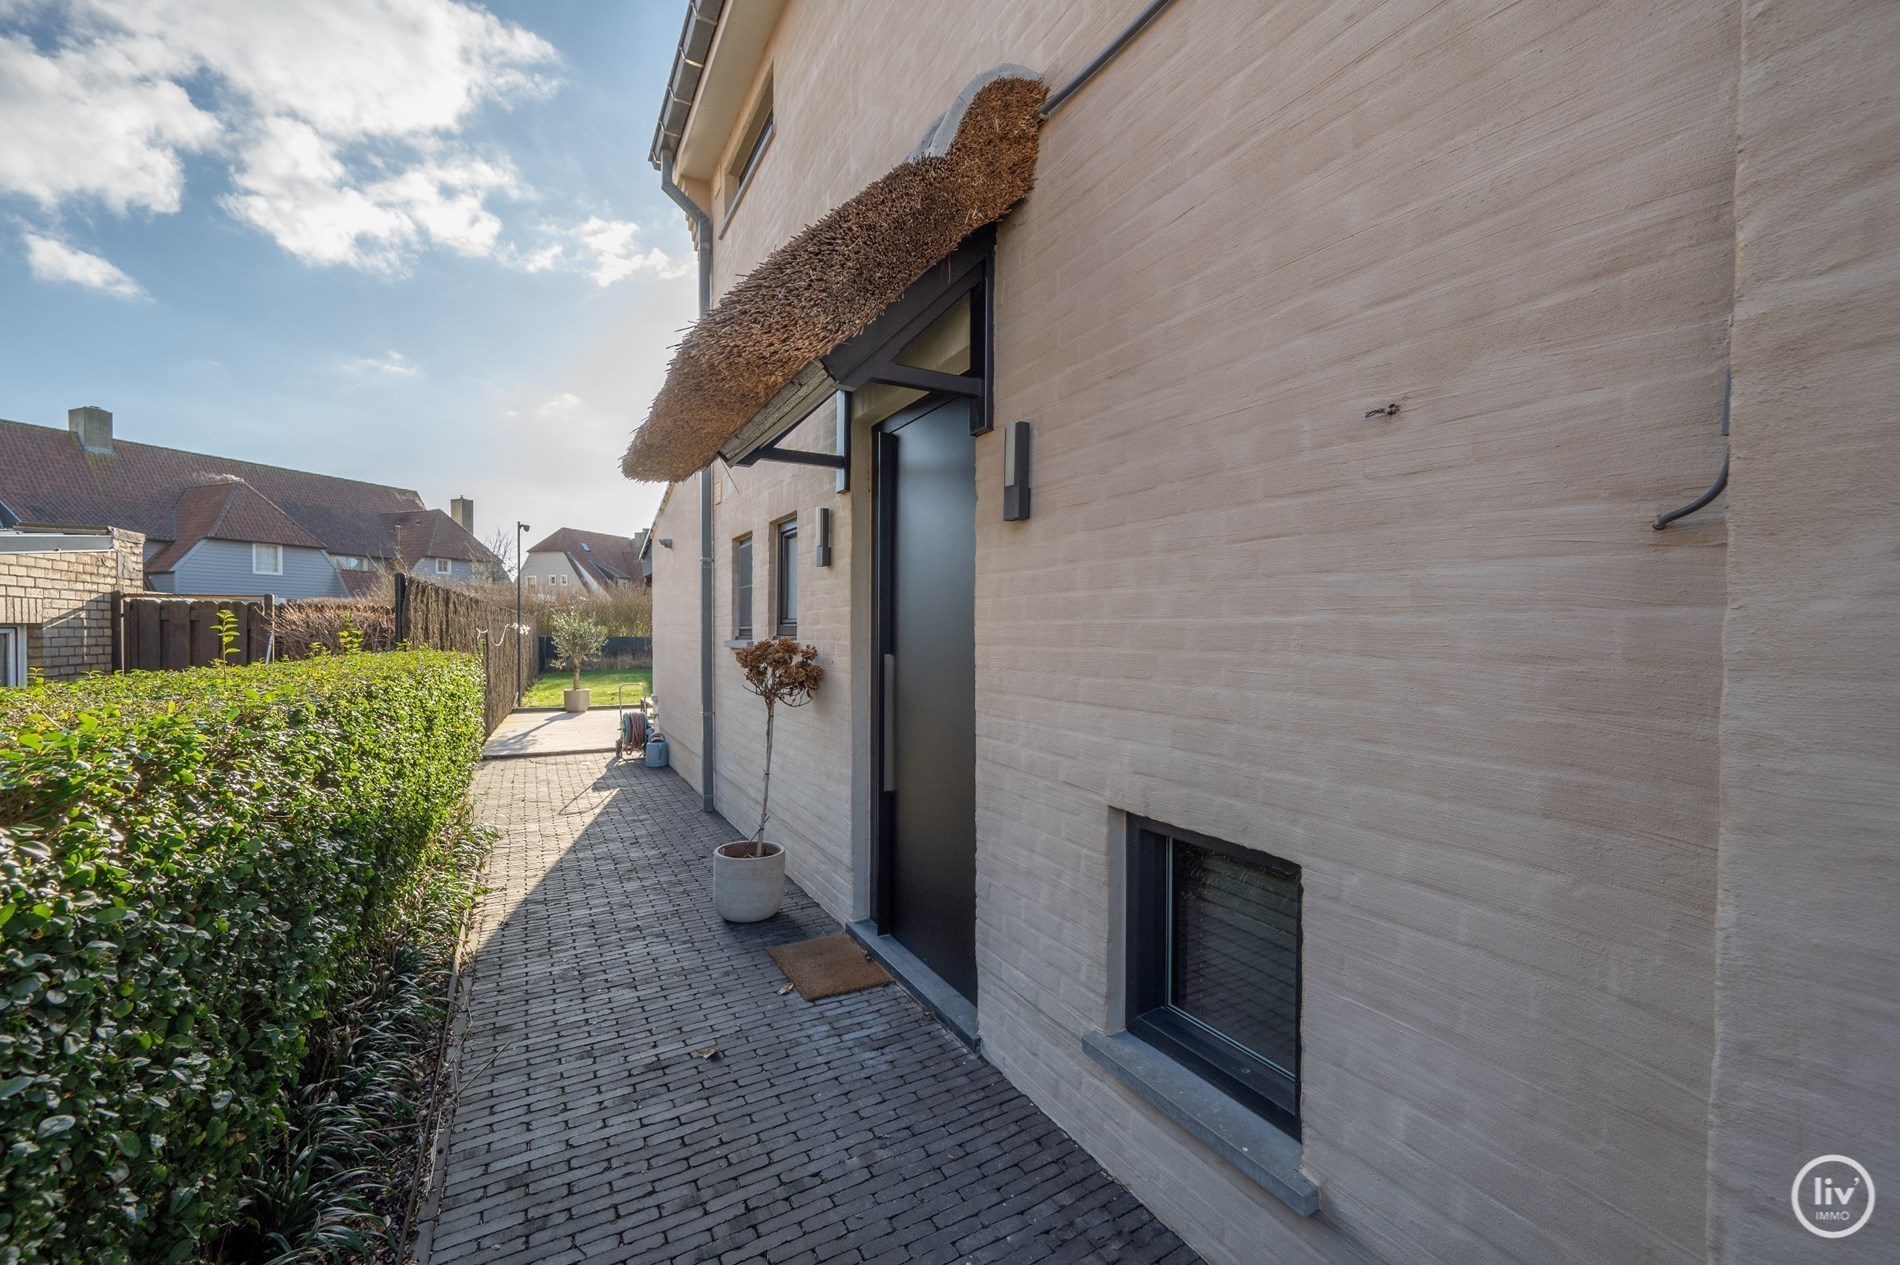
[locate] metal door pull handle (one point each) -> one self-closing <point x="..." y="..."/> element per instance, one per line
<point x="890" y="722"/>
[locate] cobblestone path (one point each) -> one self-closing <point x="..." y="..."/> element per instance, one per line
<point x="588" y="1128"/>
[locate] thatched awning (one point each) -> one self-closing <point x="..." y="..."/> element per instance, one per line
<point x="826" y="285"/>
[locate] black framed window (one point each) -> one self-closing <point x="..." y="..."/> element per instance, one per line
<point x="787" y="567"/>
<point x="742" y="588"/>
<point x="1214" y="964"/>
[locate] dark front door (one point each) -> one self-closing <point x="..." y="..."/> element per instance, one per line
<point x="927" y="637"/>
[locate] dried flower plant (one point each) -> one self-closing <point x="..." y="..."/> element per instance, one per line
<point x="784" y="674"/>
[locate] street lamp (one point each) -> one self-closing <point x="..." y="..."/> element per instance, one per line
<point x="520" y="631"/>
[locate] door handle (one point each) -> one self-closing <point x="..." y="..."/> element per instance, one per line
<point x="890" y="722"/>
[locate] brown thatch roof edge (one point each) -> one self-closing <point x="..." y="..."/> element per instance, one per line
<point x="828" y="284"/>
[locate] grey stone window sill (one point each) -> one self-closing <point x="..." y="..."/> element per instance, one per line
<point x="1268" y="1157"/>
<point x="738" y="643"/>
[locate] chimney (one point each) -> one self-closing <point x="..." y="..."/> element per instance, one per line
<point x="461" y="509"/>
<point x="93" y="426"/>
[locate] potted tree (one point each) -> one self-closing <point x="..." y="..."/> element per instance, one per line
<point x="576" y="640"/>
<point x="749" y="875"/>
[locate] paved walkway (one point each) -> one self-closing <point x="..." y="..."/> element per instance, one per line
<point x="588" y="1127"/>
<point x="554" y="733"/>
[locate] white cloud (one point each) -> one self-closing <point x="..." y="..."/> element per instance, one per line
<point x="604" y="250"/>
<point x="96" y="121"/>
<point x="51" y="260"/>
<point x="340" y="122"/>
<point x="391" y="364"/>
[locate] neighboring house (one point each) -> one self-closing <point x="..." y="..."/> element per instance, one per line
<point x="1329" y="798"/>
<point x="56" y="604"/>
<point x="216" y="525"/>
<point x="231" y="539"/>
<point x="572" y="561"/>
<point x="439" y="546"/>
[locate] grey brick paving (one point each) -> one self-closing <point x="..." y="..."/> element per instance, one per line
<point x="847" y="1130"/>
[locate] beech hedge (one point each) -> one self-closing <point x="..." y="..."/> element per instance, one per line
<point x="190" y="866"/>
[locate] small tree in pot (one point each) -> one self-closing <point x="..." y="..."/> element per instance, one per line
<point x="749" y="876"/>
<point x="576" y="640"/>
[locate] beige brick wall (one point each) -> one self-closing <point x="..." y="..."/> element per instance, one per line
<point x="1438" y="659"/>
<point x="811" y="807"/>
<point x="1810" y="908"/>
<point x="65" y="601"/>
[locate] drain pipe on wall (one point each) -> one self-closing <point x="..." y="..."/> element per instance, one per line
<point x="702" y="244"/>
<point x="1060" y="96"/>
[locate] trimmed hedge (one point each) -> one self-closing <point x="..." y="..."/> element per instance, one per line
<point x="190" y="866"/>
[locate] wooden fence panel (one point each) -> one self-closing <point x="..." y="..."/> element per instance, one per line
<point x="204" y="632"/>
<point x="162" y="634"/>
<point x="255" y="627"/>
<point x="150" y="652"/>
<point x="174" y="631"/>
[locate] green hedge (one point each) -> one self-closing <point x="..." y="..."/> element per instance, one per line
<point x="189" y="863"/>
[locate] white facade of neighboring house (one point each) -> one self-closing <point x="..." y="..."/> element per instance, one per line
<point x="548" y="573"/>
<point x="572" y="561"/>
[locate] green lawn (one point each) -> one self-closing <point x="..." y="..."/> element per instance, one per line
<point x="605" y="683"/>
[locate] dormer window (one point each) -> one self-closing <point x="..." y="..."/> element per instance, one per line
<point x="267" y="559"/>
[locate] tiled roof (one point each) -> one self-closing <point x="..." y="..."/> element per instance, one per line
<point x="432" y="534"/>
<point x="604" y="559"/>
<point x="47" y="480"/>
<point x="184" y="497"/>
<point x="357" y="583"/>
<point x="228" y="510"/>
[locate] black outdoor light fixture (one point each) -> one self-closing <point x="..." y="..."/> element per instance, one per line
<point x="822" y="556"/>
<point x="1015" y="472"/>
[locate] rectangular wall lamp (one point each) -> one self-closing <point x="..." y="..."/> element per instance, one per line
<point x="1015" y="472"/>
<point x="822" y="557"/>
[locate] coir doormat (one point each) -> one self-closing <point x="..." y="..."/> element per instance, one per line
<point x="827" y="966"/>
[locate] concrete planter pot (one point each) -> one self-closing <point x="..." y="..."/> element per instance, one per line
<point x="576" y="700"/>
<point x="748" y="888"/>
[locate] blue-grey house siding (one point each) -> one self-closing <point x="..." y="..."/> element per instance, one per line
<point x="458" y="570"/>
<point x="224" y="566"/>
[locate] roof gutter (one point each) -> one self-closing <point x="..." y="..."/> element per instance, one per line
<point x="689" y="67"/>
<point x="702" y="246"/>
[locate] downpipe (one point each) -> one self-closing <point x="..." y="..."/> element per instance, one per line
<point x="702" y="247"/>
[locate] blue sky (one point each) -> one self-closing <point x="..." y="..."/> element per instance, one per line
<point x="411" y="241"/>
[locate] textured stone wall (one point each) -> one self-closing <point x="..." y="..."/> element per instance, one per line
<point x="1438" y="659"/>
<point x="64" y="599"/>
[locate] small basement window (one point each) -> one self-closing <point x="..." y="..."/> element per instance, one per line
<point x="1214" y="964"/>
<point x="267" y="559"/>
